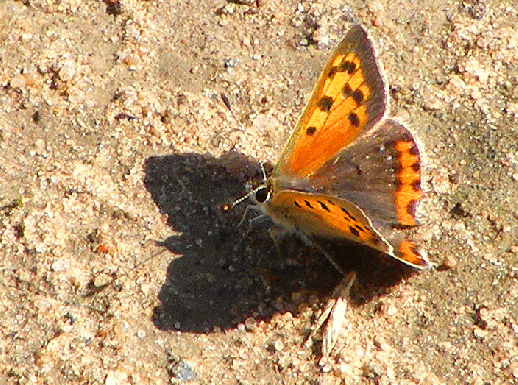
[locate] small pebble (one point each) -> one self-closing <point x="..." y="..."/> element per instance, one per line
<point x="18" y="82"/>
<point x="250" y="324"/>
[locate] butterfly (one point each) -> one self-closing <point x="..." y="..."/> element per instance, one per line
<point x="348" y="172"/>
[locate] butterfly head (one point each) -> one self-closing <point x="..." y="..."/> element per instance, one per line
<point x="260" y="195"/>
<point x="263" y="193"/>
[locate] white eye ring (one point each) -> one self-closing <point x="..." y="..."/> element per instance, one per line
<point x="263" y="194"/>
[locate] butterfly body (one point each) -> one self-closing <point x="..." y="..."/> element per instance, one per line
<point x="347" y="172"/>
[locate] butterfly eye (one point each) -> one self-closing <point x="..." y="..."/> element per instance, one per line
<point x="263" y="194"/>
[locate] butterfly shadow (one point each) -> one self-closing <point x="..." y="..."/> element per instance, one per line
<point x="223" y="271"/>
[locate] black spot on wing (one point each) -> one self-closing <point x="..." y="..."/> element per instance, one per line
<point x="348" y="66"/>
<point x="354" y="231"/>
<point x="353" y="119"/>
<point x="358" y="97"/>
<point x="324" y="206"/>
<point x="311" y="130"/>
<point x="325" y="103"/>
<point x="347" y="91"/>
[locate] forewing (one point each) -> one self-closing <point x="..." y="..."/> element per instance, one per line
<point x="349" y="98"/>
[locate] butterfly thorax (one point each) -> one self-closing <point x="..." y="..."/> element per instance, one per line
<point x="266" y="194"/>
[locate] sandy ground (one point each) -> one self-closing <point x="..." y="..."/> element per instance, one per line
<point x="116" y="154"/>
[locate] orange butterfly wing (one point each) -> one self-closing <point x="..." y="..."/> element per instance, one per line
<point x="334" y="218"/>
<point x="349" y="98"/>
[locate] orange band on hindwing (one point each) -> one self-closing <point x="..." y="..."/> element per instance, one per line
<point x="408" y="182"/>
<point x="409" y="254"/>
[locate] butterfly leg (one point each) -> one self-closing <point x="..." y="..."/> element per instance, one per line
<point x="277" y="234"/>
<point x="334" y="315"/>
<point x="306" y="238"/>
<point x="251" y="222"/>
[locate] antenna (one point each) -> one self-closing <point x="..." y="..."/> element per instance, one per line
<point x="228" y="207"/>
